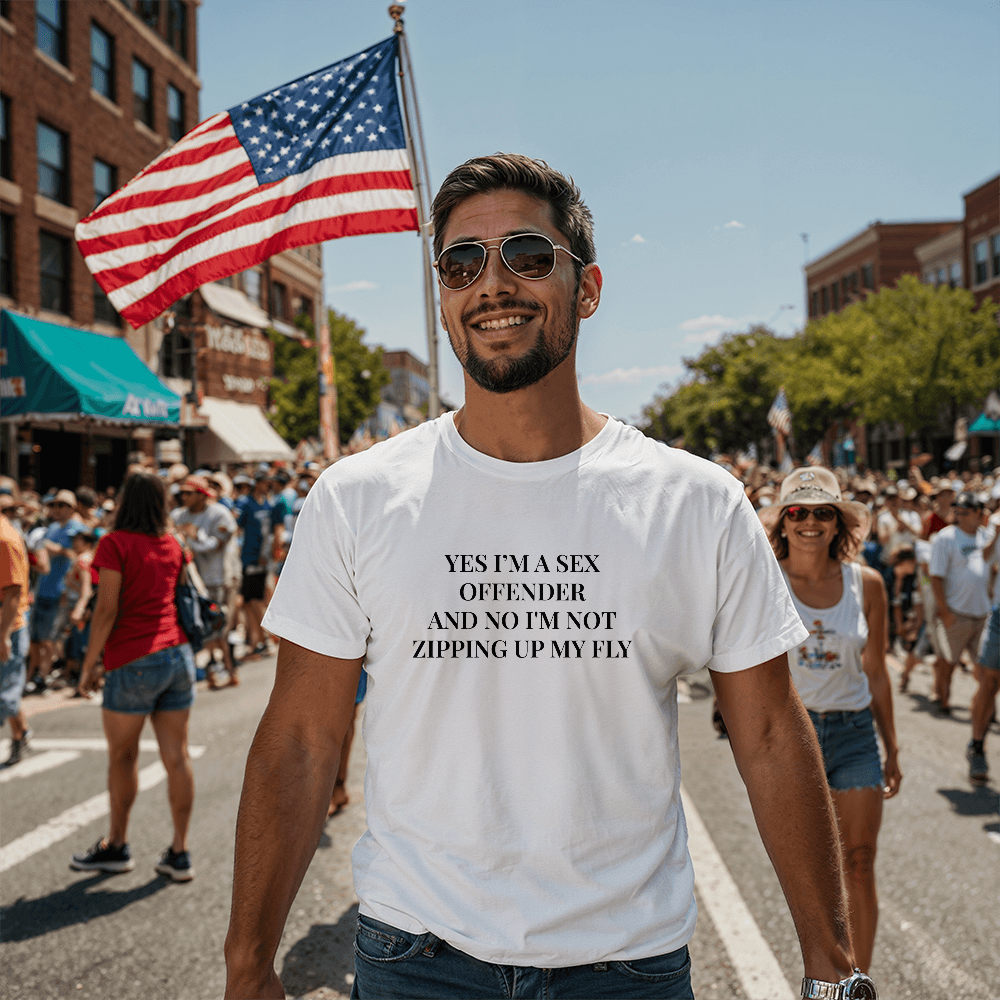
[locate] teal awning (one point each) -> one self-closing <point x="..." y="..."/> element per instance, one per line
<point x="983" y="425"/>
<point x="48" y="371"/>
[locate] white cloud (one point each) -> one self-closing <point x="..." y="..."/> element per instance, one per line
<point x="631" y="376"/>
<point x="708" y="322"/>
<point x="703" y="338"/>
<point x="637" y="239"/>
<point x="355" y="286"/>
<point x="734" y="225"/>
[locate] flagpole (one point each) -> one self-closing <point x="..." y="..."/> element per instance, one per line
<point x="418" y="159"/>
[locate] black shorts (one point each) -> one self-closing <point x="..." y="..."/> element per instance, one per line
<point x="252" y="587"/>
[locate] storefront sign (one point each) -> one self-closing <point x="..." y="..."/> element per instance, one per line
<point x="12" y="388"/>
<point x="238" y="342"/>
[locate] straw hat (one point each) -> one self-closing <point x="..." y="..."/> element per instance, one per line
<point x="815" y="486"/>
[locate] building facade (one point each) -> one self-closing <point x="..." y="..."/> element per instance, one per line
<point x="981" y="240"/>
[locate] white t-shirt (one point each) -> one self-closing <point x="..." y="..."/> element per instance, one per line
<point x="899" y="536"/>
<point x="827" y="667"/>
<point x="524" y="625"/>
<point x="958" y="558"/>
<point x="215" y="527"/>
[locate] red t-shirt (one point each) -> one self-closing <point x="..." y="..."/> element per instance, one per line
<point x="147" y="612"/>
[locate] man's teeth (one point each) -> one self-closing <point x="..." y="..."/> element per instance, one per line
<point x="502" y="324"/>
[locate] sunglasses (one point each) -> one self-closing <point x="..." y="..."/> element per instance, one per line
<point x="820" y="513"/>
<point x="528" y="255"/>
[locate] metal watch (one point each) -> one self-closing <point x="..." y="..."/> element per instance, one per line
<point x="856" y="987"/>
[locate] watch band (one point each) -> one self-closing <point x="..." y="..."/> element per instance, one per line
<point x="857" y="986"/>
<point x="817" y="989"/>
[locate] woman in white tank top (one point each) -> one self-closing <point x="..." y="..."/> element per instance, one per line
<point x="840" y="671"/>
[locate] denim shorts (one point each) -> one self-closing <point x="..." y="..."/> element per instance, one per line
<point x="44" y="616"/>
<point x="389" y="962"/>
<point x="850" y="750"/>
<point x="12" y="675"/>
<point x="159" y="682"/>
<point x="989" y="646"/>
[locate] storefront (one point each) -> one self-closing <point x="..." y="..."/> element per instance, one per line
<point x="70" y="402"/>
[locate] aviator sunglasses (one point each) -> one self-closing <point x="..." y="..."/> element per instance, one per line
<point x="528" y="255"/>
<point x="801" y="513"/>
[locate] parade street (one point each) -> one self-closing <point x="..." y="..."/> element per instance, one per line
<point x="70" y="934"/>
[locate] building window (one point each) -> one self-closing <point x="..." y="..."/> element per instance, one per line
<point x="54" y="269"/>
<point x="852" y="281"/>
<point x="813" y="304"/>
<point x="53" y="175"/>
<point x="105" y="180"/>
<point x="5" y="167"/>
<point x="995" y="255"/>
<point x="868" y="276"/>
<point x="306" y="308"/>
<point x="955" y="275"/>
<point x="104" y="311"/>
<point x="835" y="296"/>
<point x="102" y="62"/>
<point x="175" y="112"/>
<point x="824" y="295"/>
<point x="980" y="262"/>
<point x="149" y="13"/>
<point x="142" y="93"/>
<point x="50" y="28"/>
<point x="251" y="286"/>
<point x="278" y="300"/>
<point x="177" y="27"/>
<point x="6" y="254"/>
<point x="175" y="355"/>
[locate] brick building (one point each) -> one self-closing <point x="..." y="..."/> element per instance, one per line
<point x="981" y="240"/>
<point x="92" y="91"/>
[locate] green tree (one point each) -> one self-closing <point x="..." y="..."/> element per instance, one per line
<point x="359" y="373"/>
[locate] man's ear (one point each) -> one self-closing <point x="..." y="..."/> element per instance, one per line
<point x="589" y="294"/>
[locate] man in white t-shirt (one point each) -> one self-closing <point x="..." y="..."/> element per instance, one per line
<point x="524" y="581"/>
<point x="897" y="526"/>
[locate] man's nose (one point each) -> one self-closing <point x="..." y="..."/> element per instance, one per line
<point x="497" y="277"/>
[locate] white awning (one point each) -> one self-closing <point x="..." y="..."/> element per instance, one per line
<point x="231" y="303"/>
<point x="238" y="432"/>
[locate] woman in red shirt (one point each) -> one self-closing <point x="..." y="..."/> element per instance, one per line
<point x="149" y="671"/>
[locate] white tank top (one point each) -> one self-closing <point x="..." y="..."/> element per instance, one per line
<point x="826" y="668"/>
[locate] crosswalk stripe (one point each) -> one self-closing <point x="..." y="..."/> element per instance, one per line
<point x="758" y="969"/>
<point x="73" y="743"/>
<point x="72" y="819"/>
<point x="35" y="764"/>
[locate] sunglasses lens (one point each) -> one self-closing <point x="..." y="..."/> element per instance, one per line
<point x="531" y="256"/>
<point x="460" y="265"/>
<point x="801" y="513"/>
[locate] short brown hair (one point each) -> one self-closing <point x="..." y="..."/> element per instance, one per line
<point x="514" y="172"/>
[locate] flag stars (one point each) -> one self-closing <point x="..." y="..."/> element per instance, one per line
<point x="254" y="139"/>
<point x="303" y="123"/>
<point x="258" y="111"/>
<point x="370" y="92"/>
<point x="283" y="150"/>
<point x="382" y="128"/>
<point x="343" y="79"/>
<point x="308" y="143"/>
<point x="328" y="77"/>
<point x="347" y="138"/>
<point x="300" y="104"/>
<point x="274" y="114"/>
<point x="289" y="118"/>
<point x="378" y="107"/>
<point x="360" y="128"/>
<point x="264" y="128"/>
<point x="362" y="105"/>
<point x="245" y="123"/>
<point x="330" y="93"/>
<point x="371" y="138"/>
<point x="348" y="116"/>
<point x="314" y="90"/>
<point x="278" y="134"/>
<point x="337" y="128"/>
<point x="324" y="144"/>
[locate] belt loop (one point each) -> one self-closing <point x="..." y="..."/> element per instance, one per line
<point x="600" y="967"/>
<point x="431" y="948"/>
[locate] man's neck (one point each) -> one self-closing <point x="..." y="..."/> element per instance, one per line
<point x="541" y="422"/>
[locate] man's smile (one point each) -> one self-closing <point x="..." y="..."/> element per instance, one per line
<point x="503" y="323"/>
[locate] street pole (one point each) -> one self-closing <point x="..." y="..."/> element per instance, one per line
<point x="420" y="174"/>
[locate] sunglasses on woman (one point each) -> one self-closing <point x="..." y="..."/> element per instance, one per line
<point x="528" y="255"/>
<point x="801" y="513"/>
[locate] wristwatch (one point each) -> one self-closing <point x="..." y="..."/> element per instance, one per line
<point x="856" y="987"/>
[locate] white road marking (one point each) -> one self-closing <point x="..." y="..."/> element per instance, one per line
<point x="68" y="822"/>
<point x="32" y="765"/>
<point x="69" y="743"/>
<point x="755" y="964"/>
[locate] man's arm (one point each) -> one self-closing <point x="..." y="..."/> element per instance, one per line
<point x="945" y="613"/>
<point x="779" y="760"/>
<point x="10" y="599"/>
<point x="289" y="778"/>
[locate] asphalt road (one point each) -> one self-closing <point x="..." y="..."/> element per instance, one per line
<point x="71" y="934"/>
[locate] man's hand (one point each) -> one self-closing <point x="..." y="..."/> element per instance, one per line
<point x="947" y="616"/>
<point x="5" y="649"/>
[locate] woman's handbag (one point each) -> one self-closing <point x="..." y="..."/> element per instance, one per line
<point x="198" y="616"/>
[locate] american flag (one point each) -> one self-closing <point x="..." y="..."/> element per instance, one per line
<point x="315" y="159"/>
<point x="780" y="416"/>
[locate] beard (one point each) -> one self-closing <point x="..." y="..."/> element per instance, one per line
<point x="502" y="374"/>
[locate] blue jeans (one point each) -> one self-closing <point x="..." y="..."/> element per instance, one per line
<point x="12" y="675"/>
<point x="391" y="963"/>
<point x="850" y="750"/>
<point x="158" y="682"/>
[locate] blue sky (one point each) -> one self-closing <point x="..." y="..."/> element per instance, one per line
<point x="706" y="137"/>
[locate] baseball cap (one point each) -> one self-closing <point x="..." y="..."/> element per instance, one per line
<point x="967" y="500"/>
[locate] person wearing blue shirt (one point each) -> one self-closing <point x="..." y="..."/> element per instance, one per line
<point x="261" y="524"/>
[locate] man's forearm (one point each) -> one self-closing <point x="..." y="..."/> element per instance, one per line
<point x="11" y="598"/>
<point x="286" y="793"/>
<point x="937" y="587"/>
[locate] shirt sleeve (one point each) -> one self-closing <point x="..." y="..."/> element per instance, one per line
<point x="755" y="619"/>
<point x="939" y="555"/>
<point x="108" y="554"/>
<point x="315" y="602"/>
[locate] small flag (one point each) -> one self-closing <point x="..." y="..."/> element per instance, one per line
<point x="815" y="457"/>
<point x="315" y="159"/>
<point x="780" y="416"/>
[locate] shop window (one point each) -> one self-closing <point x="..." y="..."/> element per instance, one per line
<point x="175" y="355"/>
<point x="868" y="276"/>
<point x="104" y="311"/>
<point x="955" y="275"/>
<point x="54" y="268"/>
<point x="105" y="180"/>
<point x="53" y="172"/>
<point x="149" y="13"/>
<point x="175" y="113"/>
<point x="50" y="28"/>
<point x="6" y="254"/>
<point x="279" y="298"/>
<point x="142" y="93"/>
<point x="980" y="262"/>
<point x="252" y="286"/>
<point x="177" y="27"/>
<point x="5" y="144"/>
<point x="102" y="62"/>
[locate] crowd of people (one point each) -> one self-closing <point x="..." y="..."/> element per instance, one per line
<point x="233" y="531"/>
